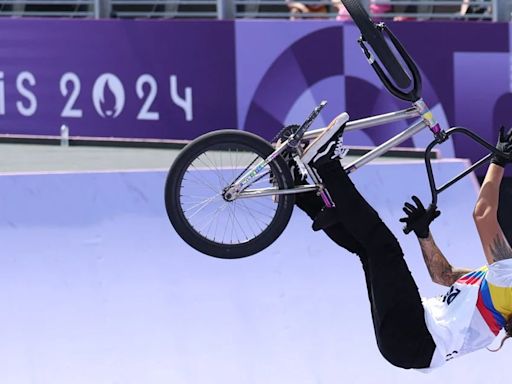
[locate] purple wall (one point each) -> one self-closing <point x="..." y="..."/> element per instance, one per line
<point x="169" y="79"/>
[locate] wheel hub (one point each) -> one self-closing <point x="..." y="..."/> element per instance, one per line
<point x="229" y="194"/>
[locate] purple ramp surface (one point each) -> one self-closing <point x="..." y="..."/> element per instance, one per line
<point x="96" y="287"/>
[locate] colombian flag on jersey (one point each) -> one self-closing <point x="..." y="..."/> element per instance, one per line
<point x="495" y="294"/>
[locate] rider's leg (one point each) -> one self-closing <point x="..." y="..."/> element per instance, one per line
<point x="312" y="204"/>
<point x="398" y="316"/>
<point x="397" y="311"/>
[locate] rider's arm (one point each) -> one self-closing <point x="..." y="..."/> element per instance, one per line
<point x="440" y="270"/>
<point x="493" y="240"/>
<point x="418" y="219"/>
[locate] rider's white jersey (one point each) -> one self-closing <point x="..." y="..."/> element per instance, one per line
<point x="472" y="313"/>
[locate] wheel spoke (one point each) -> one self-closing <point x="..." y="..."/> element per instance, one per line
<point x="236" y="219"/>
<point x="256" y="221"/>
<point x="217" y="212"/>
<point x="218" y="173"/>
<point x="201" y="181"/>
<point x="251" y="210"/>
<point x="201" y="204"/>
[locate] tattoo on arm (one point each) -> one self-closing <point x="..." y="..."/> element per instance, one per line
<point x="500" y="249"/>
<point x="440" y="270"/>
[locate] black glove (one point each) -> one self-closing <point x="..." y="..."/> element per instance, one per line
<point x="418" y="218"/>
<point x="505" y="146"/>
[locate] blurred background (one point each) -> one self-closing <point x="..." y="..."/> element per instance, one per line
<point x="495" y="10"/>
<point x="98" y="97"/>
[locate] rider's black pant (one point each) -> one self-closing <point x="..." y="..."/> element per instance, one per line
<point x="397" y="312"/>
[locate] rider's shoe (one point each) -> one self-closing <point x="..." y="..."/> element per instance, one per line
<point x="329" y="145"/>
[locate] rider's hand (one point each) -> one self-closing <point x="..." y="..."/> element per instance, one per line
<point x="505" y="146"/>
<point x="418" y="218"/>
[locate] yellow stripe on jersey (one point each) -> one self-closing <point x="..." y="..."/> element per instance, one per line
<point x="499" y="279"/>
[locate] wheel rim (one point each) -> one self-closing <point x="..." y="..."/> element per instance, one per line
<point x="201" y="195"/>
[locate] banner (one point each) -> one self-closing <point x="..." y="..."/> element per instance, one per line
<point x="121" y="78"/>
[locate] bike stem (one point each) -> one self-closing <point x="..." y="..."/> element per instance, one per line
<point x="430" y="121"/>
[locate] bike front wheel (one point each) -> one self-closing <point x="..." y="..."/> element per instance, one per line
<point x="194" y="195"/>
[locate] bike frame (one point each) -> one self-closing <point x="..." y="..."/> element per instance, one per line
<point x="416" y="111"/>
<point x="419" y="110"/>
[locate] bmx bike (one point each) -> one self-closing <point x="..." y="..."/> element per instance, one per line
<point x="230" y="194"/>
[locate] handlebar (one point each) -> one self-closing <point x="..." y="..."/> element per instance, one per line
<point x="412" y="95"/>
<point x="433" y="188"/>
<point x="435" y="191"/>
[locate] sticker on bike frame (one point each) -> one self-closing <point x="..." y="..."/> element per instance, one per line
<point x="246" y="179"/>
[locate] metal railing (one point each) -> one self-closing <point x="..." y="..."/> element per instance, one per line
<point x="439" y="9"/>
<point x="205" y="9"/>
<point x="51" y="8"/>
<point x="491" y="10"/>
<point x="400" y="10"/>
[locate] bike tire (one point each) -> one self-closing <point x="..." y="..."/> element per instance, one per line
<point x="374" y="37"/>
<point x="217" y="144"/>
